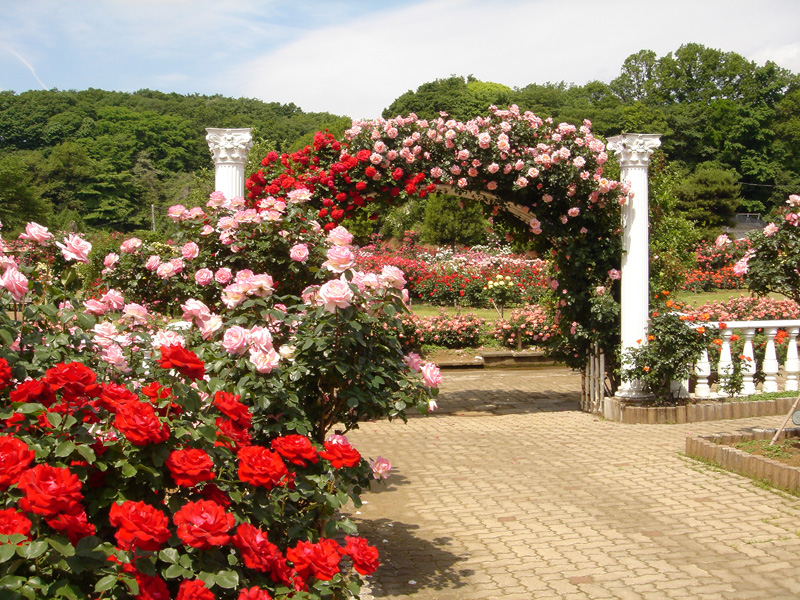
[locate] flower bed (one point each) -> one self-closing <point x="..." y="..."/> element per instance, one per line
<point x="198" y="454"/>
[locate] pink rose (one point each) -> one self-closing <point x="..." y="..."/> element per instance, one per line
<point x="335" y="294"/>
<point x="393" y="277"/>
<point x="380" y="467"/>
<point x="152" y="262"/>
<point x="166" y="270"/>
<point x="203" y="276"/>
<point x="413" y="361"/>
<point x="216" y="199"/>
<point x="177" y="264"/>
<point x="261" y="285"/>
<point x="130" y="245"/>
<point x="264" y="362"/>
<point x="110" y="261"/>
<point x="340" y="258"/>
<point x="234" y="294"/>
<point x="195" y="310"/>
<point x="176" y="212"/>
<point x="36" y="233"/>
<point x="260" y="338"/>
<point x="339" y="236"/>
<point x="190" y="250"/>
<point x="15" y="282"/>
<point x="614" y="274"/>
<point x="574" y="211"/>
<point x="722" y="241"/>
<point x="95" y="307"/>
<point x="113" y="299"/>
<point x="431" y="375"/>
<point x="209" y="326"/>
<point x="136" y="313"/>
<point x="75" y="248"/>
<point x="206" y="230"/>
<point x="299" y="252"/>
<point x="223" y="275"/>
<point x="113" y="355"/>
<point x="771" y="230"/>
<point x="235" y="340"/>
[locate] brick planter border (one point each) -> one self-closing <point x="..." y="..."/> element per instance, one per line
<point x="615" y="409"/>
<point x="717" y="450"/>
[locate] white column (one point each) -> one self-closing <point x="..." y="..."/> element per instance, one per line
<point x="634" y="150"/>
<point x="229" y="148"/>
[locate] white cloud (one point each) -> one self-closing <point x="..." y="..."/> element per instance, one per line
<point x="358" y="68"/>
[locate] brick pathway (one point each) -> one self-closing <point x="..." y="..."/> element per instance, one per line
<point x="509" y="491"/>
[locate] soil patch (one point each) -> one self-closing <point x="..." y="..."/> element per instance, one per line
<point x="785" y="451"/>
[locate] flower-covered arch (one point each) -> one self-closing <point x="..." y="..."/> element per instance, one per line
<point x="545" y="182"/>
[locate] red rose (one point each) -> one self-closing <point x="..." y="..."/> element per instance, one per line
<point x="229" y="405"/>
<point x="75" y="526"/>
<point x="182" y="360"/>
<point x="194" y="589"/>
<point x="234" y="437"/>
<point x="151" y="588"/>
<point x="190" y="467"/>
<point x="254" y="593"/>
<point x="364" y="556"/>
<point x="76" y="381"/>
<point x="15" y="456"/>
<point x="260" y="554"/>
<point x="5" y="374"/>
<point x="13" y="521"/>
<point x="341" y="454"/>
<point x="139" y="424"/>
<point x="296" y="449"/>
<point x="139" y="526"/>
<point x="50" y="491"/>
<point x="33" y="391"/>
<point x="113" y="395"/>
<point x="320" y="560"/>
<point x="337" y="215"/>
<point x="262" y="467"/>
<point x="203" y="524"/>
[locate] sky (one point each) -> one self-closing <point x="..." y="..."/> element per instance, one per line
<point x="355" y="57"/>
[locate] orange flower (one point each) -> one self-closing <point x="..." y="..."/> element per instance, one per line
<point x="701" y="330"/>
<point x="665" y="292"/>
<point x="723" y="326"/>
<point x="717" y="341"/>
<point x="669" y="303"/>
<point x="646" y="369"/>
<point x="734" y="337"/>
<point x="638" y="341"/>
<point x="650" y="338"/>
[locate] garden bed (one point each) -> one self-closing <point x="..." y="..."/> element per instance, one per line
<point x="721" y="450"/>
<point x="487" y="357"/>
<point x="616" y="409"/>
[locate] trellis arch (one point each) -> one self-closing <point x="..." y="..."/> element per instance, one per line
<point x="545" y="181"/>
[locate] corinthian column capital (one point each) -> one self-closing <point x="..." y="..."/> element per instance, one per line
<point x="634" y="149"/>
<point x="229" y="146"/>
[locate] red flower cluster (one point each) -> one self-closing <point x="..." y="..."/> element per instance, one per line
<point x="262" y="467"/>
<point x="296" y="449"/>
<point x="5" y="374"/>
<point x="203" y="524"/>
<point x="340" y="454"/>
<point x="190" y="467"/>
<point x="182" y="360"/>
<point x="139" y="526"/>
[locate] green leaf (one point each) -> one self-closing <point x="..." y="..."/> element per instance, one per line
<point x="7" y="551"/>
<point x="32" y="550"/>
<point x="12" y="581"/>
<point x="55" y="419"/>
<point x="86" y="452"/>
<point x="64" y="589"/>
<point x="227" y="579"/>
<point x="129" y="581"/>
<point x="29" y="408"/>
<point x="106" y="583"/>
<point x="65" y="448"/>
<point x="86" y="321"/>
<point x="6" y="337"/>
<point x="62" y="546"/>
<point x="128" y="470"/>
<point x="174" y="571"/>
<point x="209" y="579"/>
<point x="169" y="555"/>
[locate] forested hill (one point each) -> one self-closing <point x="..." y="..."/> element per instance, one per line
<point x="100" y="159"/>
<point x="96" y="159"/>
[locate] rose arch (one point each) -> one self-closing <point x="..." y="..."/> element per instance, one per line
<point x="546" y="183"/>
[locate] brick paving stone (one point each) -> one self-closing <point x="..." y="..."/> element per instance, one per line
<point x="509" y="491"/>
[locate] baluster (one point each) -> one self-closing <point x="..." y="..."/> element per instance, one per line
<point x="749" y="362"/>
<point x="792" y="366"/>
<point x="770" y="366"/>
<point x="725" y="365"/>
<point x="702" y="369"/>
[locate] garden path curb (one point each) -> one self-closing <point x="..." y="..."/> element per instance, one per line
<point x="615" y="409"/>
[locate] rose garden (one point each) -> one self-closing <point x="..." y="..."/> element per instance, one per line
<point x="176" y="410"/>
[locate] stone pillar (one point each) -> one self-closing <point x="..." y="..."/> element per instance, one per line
<point x="634" y="150"/>
<point x="229" y="148"/>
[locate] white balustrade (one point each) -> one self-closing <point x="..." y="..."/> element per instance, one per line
<point x="770" y="366"/>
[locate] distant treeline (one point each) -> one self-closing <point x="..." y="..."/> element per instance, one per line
<point x="95" y="159"/>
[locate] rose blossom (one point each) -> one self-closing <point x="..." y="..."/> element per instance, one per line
<point x="413" y="361"/>
<point x="380" y="467"/>
<point x="264" y="361"/>
<point x="75" y="248"/>
<point x="203" y="276"/>
<point x="153" y="262"/>
<point x="36" y="233"/>
<point x="260" y="338"/>
<point x="364" y="557"/>
<point x="614" y="274"/>
<point x="262" y="467"/>
<point x="431" y="375"/>
<point x="335" y="294"/>
<point x="94" y="307"/>
<point x="771" y="229"/>
<point x="189" y="467"/>
<point x="15" y="282"/>
<point x="190" y="250"/>
<point x="722" y="241"/>
<point x="130" y="245"/>
<point x="203" y="524"/>
<point x="340" y="258"/>
<point x="223" y="275"/>
<point x="113" y="299"/>
<point x="166" y="270"/>
<point x="299" y="252"/>
<point x="393" y="277"/>
<point x="339" y="236"/>
<point x="139" y="526"/>
<point x="235" y="340"/>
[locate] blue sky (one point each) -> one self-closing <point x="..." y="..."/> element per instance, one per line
<point x="355" y="57"/>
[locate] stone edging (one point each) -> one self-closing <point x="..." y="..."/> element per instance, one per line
<point x="717" y="449"/>
<point x="615" y="409"/>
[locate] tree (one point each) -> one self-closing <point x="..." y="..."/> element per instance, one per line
<point x="20" y="198"/>
<point x="709" y="196"/>
<point x="450" y="220"/>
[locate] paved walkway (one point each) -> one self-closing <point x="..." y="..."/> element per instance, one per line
<point x="510" y="492"/>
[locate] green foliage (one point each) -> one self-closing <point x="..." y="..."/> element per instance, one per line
<point x="668" y="354"/>
<point x="450" y="220"/>
<point x="709" y="196"/>
<point x="20" y="199"/>
<point x="774" y="264"/>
